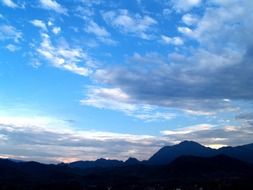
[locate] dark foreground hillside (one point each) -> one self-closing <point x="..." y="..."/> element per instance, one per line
<point x="185" y="172"/>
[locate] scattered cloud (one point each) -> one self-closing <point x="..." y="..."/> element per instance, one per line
<point x="56" y="30"/>
<point x="53" y="5"/>
<point x="116" y="99"/>
<point x="8" y="32"/>
<point x="186" y="31"/>
<point x="39" y="23"/>
<point x="12" y="47"/>
<point x="94" y="28"/>
<point x="204" y="72"/>
<point x="100" y="32"/>
<point x="212" y="135"/>
<point x="191" y="87"/>
<point x="177" y="41"/>
<point x="9" y="3"/>
<point x="189" y="19"/>
<point x="65" y="57"/>
<point x="185" y="5"/>
<point x="197" y="79"/>
<point x="137" y="25"/>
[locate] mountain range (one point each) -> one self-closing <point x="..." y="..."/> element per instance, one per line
<point x="187" y="165"/>
<point x="169" y="153"/>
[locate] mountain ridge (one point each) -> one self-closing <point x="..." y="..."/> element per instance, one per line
<point x="167" y="154"/>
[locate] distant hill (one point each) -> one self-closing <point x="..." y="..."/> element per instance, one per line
<point x="244" y="152"/>
<point x="187" y="172"/>
<point x="189" y="148"/>
<point x="168" y="153"/>
<point x="103" y="163"/>
<point x="188" y="165"/>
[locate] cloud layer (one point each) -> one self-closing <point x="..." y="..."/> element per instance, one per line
<point x="181" y="68"/>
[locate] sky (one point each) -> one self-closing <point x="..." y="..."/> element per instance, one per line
<point x="85" y="79"/>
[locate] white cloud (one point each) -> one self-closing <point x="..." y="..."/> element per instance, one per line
<point x="186" y="31"/>
<point x="177" y="41"/>
<point x="39" y="24"/>
<point x="137" y="25"/>
<point x="8" y="32"/>
<point x="43" y="138"/>
<point x="100" y="32"/>
<point x="9" y="3"/>
<point x="215" y="33"/>
<point x="185" y="5"/>
<point x="190" y="129"/>
<point x="212" y="135"/>
<point x="12" y="47"/>
<point x="189" y="19"/>
<point x="117" y="100"/>
<point x="65" y="57"/>
<point x="50" y="23"/>
<point x="110" y="98"/>
<point x="56" y="30"/>
<point x="94" y="28"/>
<point x="53" y="5"/>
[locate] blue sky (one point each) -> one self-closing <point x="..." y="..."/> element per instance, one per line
<point x="85" y="79"/>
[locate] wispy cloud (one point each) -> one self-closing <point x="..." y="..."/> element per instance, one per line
<point x="137" y="25"/>
<point x="8" y="32"/>
<point x="185" y="5"/>
<point x="190" y="19"/>
<point x="173" y="41"/>
<point x="118" y="100"/>
<point x="9" y="3"/>
<point x="12" y="47"/>
<point x="65" y="57"/>
<point x="212" y="135"/>
<point x="188" y="130"/>
<point x="94" y="28"/>
<point x="39" y="24"/>
<point x="53" y="5"/>
<point x="100" y="32"/>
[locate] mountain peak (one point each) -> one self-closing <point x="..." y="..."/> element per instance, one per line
<point x="132" y="161"/>
<point x="188" y="143"/>
<point x="168" y="153"/>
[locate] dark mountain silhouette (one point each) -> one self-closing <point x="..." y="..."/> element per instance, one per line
<point x="94" y="164"/>
<point x="103" y="163"/>
<point x="168" y="153"/>
<point x="244" y="152"/>
<point x="187" y="165"/>
<point x="132" y="161"/>
<point x="186" y="172"/>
